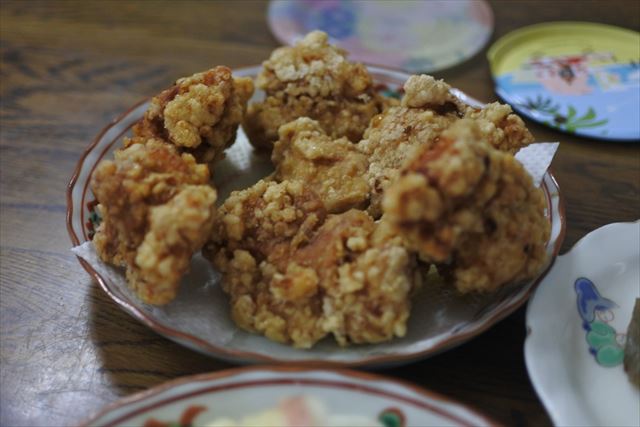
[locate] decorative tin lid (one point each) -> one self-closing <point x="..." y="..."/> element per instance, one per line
<point x="578" y="77"/>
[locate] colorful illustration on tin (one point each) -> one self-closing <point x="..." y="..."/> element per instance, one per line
<point x="596" y="311"/>
<point x="590" y="93"/>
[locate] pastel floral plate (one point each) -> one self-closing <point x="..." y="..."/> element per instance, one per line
<point x="199" y="317"/>
<point x="346" y="398"/>
<point x="577" y="77"/>
<point x="577" y="322"/>
<point x="417" y="36"/>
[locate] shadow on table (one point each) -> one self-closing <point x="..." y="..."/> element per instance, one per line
<point x="131" y="357"/>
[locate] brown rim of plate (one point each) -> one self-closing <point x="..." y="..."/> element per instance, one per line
<point x="205" y="347"/>
<point x="226" y="373"/>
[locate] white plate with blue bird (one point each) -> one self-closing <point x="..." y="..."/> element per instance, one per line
<point x="577" y="324"/>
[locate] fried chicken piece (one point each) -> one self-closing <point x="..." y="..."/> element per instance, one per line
<point x="295" y="280"/>
<point x="471" y="208"/>
<point x="157" y="210"/>
<point x="256" y="232"/>
<point x="365" y="278"/>
<point x="200" y="114"/>
<point x="312" y="79"/>
<point x="332" y="168"/>
<point x="267" y="219"/>
<point x="427" y="109"/>
<point x="500" y="127"/>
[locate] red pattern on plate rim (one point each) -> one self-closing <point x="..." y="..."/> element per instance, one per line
<point x="206" y="347"/>
<point x="290" y="380"/>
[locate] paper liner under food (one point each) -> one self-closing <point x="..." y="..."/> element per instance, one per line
<point x="536" y="159"/>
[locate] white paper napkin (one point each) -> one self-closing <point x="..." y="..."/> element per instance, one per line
<point x="536" y="159"/>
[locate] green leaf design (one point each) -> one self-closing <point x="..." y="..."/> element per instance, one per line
<point x="592" y="124"/>
<point x="591" y="114"/>
<point x="540" y="104"/>
<point x="572" y="123"/>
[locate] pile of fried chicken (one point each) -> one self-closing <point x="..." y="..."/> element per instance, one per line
<point x="368" y="193"/>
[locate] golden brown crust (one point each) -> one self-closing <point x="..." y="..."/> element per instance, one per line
<point x="257" y="232"/>
<point x="268" y="219"/>
<point x="332" y="168"/>
<point x="472" y="209"/>
<point x="366" y="278"/>
<point x="295" y="277"/>
<point x="427" y="109"/>
<point x="157" y="210"/>
<point x="200" y="114"/>
<point x="500" y="127"/>
<point x="312" y="79"/>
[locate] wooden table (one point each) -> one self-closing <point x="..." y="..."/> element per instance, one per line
<point x="70" y="67"/>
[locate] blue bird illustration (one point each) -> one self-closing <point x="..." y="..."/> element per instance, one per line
<point x="590" y="301"/>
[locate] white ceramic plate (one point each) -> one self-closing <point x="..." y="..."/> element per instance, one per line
<point x="199" y="317"/>
<point x="577" y="322"/>
<point x="235" y="393"/>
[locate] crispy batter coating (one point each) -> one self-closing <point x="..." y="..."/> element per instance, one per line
<point x="200" y="114"/>
<point x="366" y="278"/>
<point x="427" y="109"/>
<point x="312" y="79"/>
<point x="471" y="208"/>
<point x="257" y="231"/>
<point x="500" y="127"/>
<point x="332" y="168"/>
<point x="157" y="210"/>
<point x="268" y="219"/>
<point x="295" y="280"/>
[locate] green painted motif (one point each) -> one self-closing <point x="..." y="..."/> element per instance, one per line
<point x="392" y="417"/>
<point x="389" y="93"/>
<point x="596" y="311"/>
<point x="94" y="219"/>
<point x="610" y="355"/>
<point x="570" y="121"/>
<point x="602" y="339"/>
<point x="542" y="105"/>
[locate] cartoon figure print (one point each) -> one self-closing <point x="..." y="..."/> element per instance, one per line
<point x="596" y="311"/>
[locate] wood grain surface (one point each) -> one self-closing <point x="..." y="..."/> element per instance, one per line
<point x="69" y="67"/>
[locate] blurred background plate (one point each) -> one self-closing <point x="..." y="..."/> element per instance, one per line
<point x="237" y="393"/>
<point x="577" y="77"/>
<point x="417" y="36"/>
